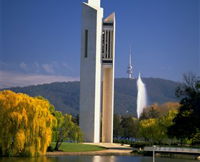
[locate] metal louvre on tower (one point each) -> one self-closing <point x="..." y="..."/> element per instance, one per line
<point x="108" y="39"/>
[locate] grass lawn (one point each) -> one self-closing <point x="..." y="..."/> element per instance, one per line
<point x="78" y="147"/>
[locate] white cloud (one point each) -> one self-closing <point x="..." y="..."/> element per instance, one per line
<point x="66" y="66"/>
<point x="23" y="66"/>
<point x="48" y="68"/>
<point x="11" y="79"/>
<point x="36" y="67"/>
<point x="3" y="65"/>
<point x="51" y="68"/>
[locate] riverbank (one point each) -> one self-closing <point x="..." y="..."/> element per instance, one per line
<point x="102" y="152"/>
<point x="105" y="149"/>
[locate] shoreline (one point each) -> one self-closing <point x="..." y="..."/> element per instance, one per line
<point x="111" y="152"/>
<point x="102" y="152"/>
<point x="108" y="149"/>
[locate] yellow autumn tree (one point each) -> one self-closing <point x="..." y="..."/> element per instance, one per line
<point x="155" y="129"/>
<point x="25" y="124"/>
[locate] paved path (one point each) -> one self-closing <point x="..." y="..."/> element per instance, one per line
<point x="116" y="146"/>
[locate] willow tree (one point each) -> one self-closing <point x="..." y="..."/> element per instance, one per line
<point x="25" y="124"/>
<point x="65" y="130"/>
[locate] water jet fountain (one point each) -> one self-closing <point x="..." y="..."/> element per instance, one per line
<point x="141" y="96"/>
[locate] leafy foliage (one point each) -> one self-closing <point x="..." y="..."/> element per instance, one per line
<point x="152" y="126"/>
<point x="148" y="129"/>
<point x="186" y="123"/>
<point x="25" y="124"/>
<point x="156" y="110"/>
<point x="65" y="130"/>
<point x="154" y="130"/>
<point x="196" y="138"/>
<point x="125" y="126"/>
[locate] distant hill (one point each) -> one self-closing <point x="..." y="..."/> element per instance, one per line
<point x="65" y="96"/>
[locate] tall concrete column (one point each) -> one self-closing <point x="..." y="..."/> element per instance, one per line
<point x="107" y="106"/>
<point x="90" y="71"/>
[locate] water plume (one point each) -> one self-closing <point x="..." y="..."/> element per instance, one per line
<point x="141" y="96"/>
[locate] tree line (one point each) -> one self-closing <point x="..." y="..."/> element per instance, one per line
<point x="168" y="123"/>
<point x="151" y="127"/>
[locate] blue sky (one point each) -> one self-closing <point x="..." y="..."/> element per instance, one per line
<point x="40" y="39"/>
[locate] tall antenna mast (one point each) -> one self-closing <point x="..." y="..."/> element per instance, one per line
<point x="130" y="67"/>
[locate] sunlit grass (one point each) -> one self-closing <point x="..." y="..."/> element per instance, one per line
<point x="77" y="147"/>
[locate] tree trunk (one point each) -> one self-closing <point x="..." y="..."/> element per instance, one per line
<point x="57" y="146"/>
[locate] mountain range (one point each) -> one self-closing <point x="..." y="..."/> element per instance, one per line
<point x="65" y="95"/>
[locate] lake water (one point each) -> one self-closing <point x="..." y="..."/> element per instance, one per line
<point x="93" y="159"/>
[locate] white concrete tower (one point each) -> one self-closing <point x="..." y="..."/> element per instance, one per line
<point x="97" y="73"/>
<point x="90" y="70"/>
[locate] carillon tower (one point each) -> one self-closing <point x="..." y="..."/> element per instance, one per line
<point x="97" y="73"/>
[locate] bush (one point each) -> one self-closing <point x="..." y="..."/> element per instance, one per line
<point x="196" y="139"/>
<point x="50" y="149"/>
<point x="140" y="144"/>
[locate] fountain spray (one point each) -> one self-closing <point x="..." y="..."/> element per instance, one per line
<point x="141" y="96"/>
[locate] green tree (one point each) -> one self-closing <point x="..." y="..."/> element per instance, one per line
<point x="186" y="123"/>
<point x="65" y="130"/>
<point x="154" y="130"/>
<point x="147" y="129"/>
<point x="130" y="126"/>
<point x="196" y="138"/>
<point x="117" y="129"/>
<point x="125" y="126"/>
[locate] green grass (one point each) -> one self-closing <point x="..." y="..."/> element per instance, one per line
<point x="78" y="147"/>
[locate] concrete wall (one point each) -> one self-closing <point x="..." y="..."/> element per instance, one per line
<point x="90" y="73"/>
